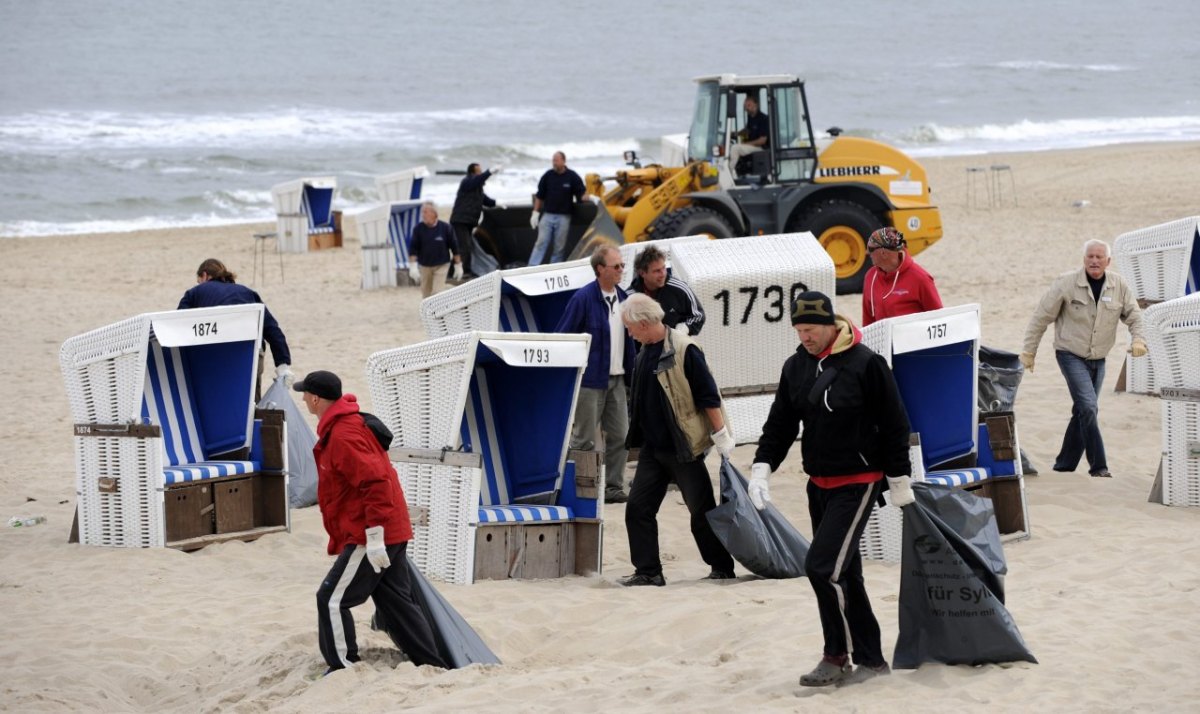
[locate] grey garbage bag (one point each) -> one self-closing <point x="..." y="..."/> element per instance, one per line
<point x="1000" y="374"/>
<point x="302" y="469"/>
<point x="762" y="541"/>
<point x="457" y="642"/>
<point x="951" y="584"/>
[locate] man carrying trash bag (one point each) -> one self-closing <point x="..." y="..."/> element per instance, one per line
<point x="856" y="433"/>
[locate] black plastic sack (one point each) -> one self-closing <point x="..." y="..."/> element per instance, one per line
<point x="1000" y="374"/>
<point x="302" y="468"/>
<point x="762" y="541"/>
<point x="951" y="584"/>
<point x="457" y="642"/>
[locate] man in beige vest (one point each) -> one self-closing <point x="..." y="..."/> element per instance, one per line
<point x="676" y="415"/>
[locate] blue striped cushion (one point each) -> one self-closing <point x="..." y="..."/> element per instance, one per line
<point x="321" y="229"/>
<point x="524" y="514"/>
<point x="206" y="469"/>
<point x="958" y="477"/>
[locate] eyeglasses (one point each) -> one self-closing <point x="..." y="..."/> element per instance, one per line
<point x="618" y="266"/>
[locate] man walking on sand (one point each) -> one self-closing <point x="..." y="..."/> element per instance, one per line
<point x="1085" y="306"/>
<point x="366" y="517"/>
<point x="855" y="435"/>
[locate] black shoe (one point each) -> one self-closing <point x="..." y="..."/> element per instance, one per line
<point x="720" y="575"/>
<point x="639" y="579"/>
<point x="1102" y="473"/>
<point x="615" y="497"/>
<point x="1062" y="470"/>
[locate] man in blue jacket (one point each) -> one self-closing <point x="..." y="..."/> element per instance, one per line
<point x="216" y="286"/>
<point x="595" y="310"/>
<point x="557" y="192"/>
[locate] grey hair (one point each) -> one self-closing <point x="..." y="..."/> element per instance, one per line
<point x="430" y="204"/>
<point x="641" y="308"/>
<point x="1097" y="241"/>
<point x="598" y="256"/>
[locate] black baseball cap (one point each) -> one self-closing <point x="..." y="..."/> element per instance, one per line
<point x="325" y="385"/>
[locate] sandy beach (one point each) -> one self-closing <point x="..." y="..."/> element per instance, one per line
<point x="1105" y="593"/>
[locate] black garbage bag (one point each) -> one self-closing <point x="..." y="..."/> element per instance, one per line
<point x="1000" y="374"/>
<point x="951" y="584"/>
<point x="457" y="642"/>
<point x="302" y="468"/>
<point x="762" y="541"/>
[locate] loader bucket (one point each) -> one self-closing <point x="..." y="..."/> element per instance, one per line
<point x="504" y="233"/>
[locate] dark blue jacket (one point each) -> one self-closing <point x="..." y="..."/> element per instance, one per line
<point x="587" y="312"/>
<point x="471" y="199"/>
<point x="433" y="245"/>
<point x="215" y="293"/>
<point x="558" y="192"/>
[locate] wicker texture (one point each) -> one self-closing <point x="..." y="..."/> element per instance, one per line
<point x="630" y="251"/>
<point x="1180" y="463"/>
<point x="882" y="538"/>
<point x="1173" y="336"/>
<point x="444" y="548"/>
<point x="1156" y="261"/>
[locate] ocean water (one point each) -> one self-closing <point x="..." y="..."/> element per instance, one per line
<point x="125" y="114"/>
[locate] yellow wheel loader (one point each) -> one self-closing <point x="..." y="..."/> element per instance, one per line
<point x="839" y="188"/>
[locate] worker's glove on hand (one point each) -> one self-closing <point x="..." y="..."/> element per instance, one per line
<point x="501" y="205"/>
<point x="723" y="440"/>
<point x="456" y="272"/>
<point x="376" y="550"/>
<point x="1138" y="348"/>
<point x="533" y="219"/>
<point x="901" y="488"/>
<point x="1027" y="361"/>
<point x="284" y="372"/>
<point x="495" y="170"/>
<point x="414" y="272"/>
<point x="760" y="496"/>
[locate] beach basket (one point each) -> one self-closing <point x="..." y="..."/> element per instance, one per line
<point x="304" y="215"/>
<point x="385" y="232"/>
<point x="403" y="185"/>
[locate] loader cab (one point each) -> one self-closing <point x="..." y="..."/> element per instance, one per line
<point x="720" y="113"/>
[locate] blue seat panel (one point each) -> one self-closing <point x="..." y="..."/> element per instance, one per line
<point x="958" y="477"/>
<point x="187" y="473"/>
<point x="524" y="514"/>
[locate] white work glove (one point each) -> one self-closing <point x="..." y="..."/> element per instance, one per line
<point x="901" y="488"/>
<point x="595" y="200"/>
<point x="533" y="220"/>
<point x="284" y="371"/>
<point x="723" y="440"/>
<point x="682" y="329"/>
<point x="501" y="205"/>
<point x="1027" y="361"/>
<point x="376" y="550"/>
<point x="456" y="272"/>
<point x="495" y="169"/>
<point x="414" y="272"/>
<point x="760" y="496"/>
<point x="1138" y="348"/>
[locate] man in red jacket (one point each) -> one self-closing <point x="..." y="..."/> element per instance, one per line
<point x="895" y="285"/>
<point x="366" y="517"/>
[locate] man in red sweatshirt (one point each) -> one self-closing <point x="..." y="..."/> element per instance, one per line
<point x="366" y="517"/>
<point x="895" y="285"/>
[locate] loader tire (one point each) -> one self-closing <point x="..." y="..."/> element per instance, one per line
<point x="842" y="229"/>
<point x="691" y="221"/>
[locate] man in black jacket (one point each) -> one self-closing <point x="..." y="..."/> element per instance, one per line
<point x="855" y="434"/>
<point x="681" y="308"/>
<point x="468" y="205"/>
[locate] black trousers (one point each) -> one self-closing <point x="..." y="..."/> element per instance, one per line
<point x="466" y="243"/>
<point x="655" y="471"/>
<point x="834" y="568"/>
<point x="349" y="583"/>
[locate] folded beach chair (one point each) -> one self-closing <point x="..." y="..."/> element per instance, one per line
<point x="169" y="448"/>
<point x="1173" y="336"/>
<point x="481" y="424"/>
<point x="385" y="232"/>
<point x="402" y="185"/>
<point x="934" y="357"/>
<point x="1160" y="263"/>
<point x="304" y="215"/>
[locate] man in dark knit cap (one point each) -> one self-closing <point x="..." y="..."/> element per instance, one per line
<point x="855" y="434"/>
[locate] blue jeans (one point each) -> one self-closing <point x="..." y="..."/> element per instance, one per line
<point x="1084" y="377"/>
<point x="552" y="229"/>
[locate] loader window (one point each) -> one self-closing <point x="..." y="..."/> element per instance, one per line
<point x="707" y="122"/>
<point x="795" y="155"/>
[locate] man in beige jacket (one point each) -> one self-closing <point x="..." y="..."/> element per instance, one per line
<point x="1085" y="307"/>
